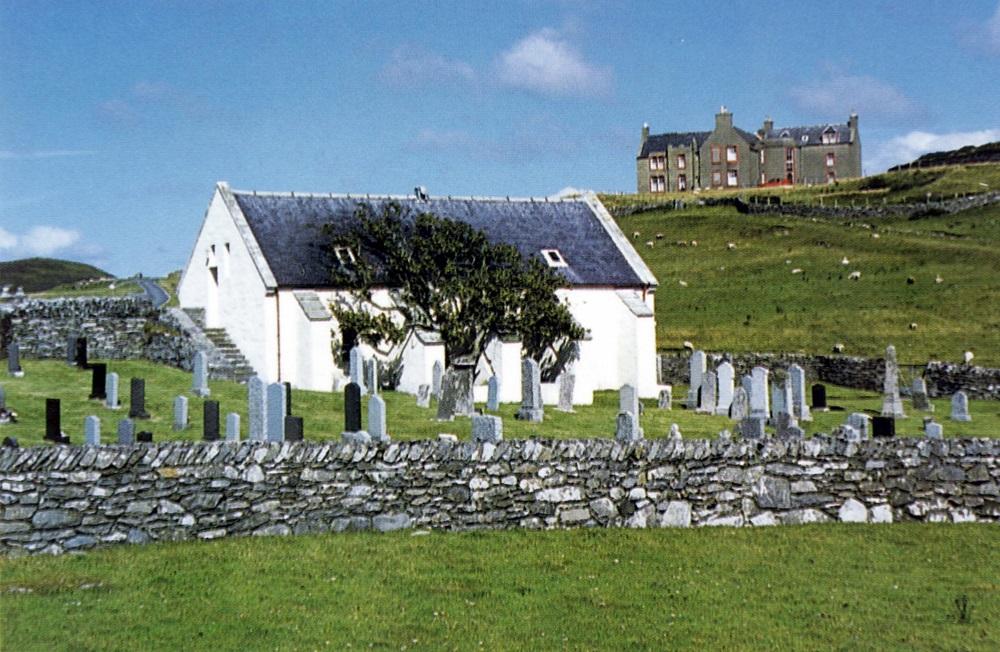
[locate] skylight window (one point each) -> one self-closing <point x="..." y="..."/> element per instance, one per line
<point x="344" y="255"/>
<point x="554" y="258"/>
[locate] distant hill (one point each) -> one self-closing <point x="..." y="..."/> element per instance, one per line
<point x="38" y="274"/>
<point x="988" y="153"/>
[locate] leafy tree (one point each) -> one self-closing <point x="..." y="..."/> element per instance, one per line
<point x="444" y="276"/>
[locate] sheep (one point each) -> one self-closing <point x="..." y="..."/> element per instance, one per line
<point x="730" y="245"/>
<point x="844" y="261"/>
<point x="913" y="325"/>
<point x="967" y="356"/>
<point x="797" y="270"/>
<point x="854" y="276"/>
<point x="659" y="236"/>
<point x="938" y="279"/>
<point x="875" y="235"/>
<point x="910" y="280"/>
<point x="838" y="348"/>
<point x="683" y="284"/>
<point x="688" y="345"/>
<point x="635" y="235"/>
<point x="694" y="243"/>
<point x="649" y="243"/>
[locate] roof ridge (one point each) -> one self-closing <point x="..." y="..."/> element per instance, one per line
<point x="335" y="195"/>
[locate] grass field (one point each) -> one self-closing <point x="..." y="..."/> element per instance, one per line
<point x="323" y="413"/>
<point x="816" y="587"/>
<point x="749" y="298"/>
<point x="115" y="288"/>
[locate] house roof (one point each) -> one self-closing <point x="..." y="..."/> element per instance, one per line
<point x="660" y="142"/>
<point x="287" y="229"/>
<point x="813" y="134"/>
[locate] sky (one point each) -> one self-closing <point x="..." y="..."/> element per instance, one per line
<point x="118" y="118"/>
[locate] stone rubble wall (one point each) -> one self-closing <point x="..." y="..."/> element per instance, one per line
<point x="61" y="498"/>
<point x="847" y="371"/>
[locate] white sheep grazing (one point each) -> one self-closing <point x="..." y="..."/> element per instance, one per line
<point x="730" y="245"/>
<point x="967" y="356"/>
<point x="649" y="243"/>
<point x="875" y="235"/>
<point x="659" y="236"/>
<point x="683" y="284"/>
<point x="694" y="243"/>
<point x="796" y="271"/>
<point x="855" y="276"/>
<point x="844" y="261"/>
<point x="635" y="234"/>
<point x="913" y="325"/>
<point x="838" y="348"/>
<point x="688" y="345"/>
<point x="938" y="279"/>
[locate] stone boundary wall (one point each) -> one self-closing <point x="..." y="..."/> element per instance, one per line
<point x="62" y="498"/>
<point x="862" y="373"/>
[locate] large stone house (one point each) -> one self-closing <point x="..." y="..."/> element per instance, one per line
<point x="257" y="272"/>
<point x="729" y="157"/>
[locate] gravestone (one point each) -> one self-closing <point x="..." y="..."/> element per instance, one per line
<point x="726" y="376"/>
<point x="92" y="431"/>
<point x="232" y="427"/>
<point x="180" y="413"/>
<point x="666" y="399"/>
<point x="288" y="398"/>
<point x="144" y="437"/>
<point x="708" y="389"/>
<point x="739" y="409"/>
<point x="848" y="432"/>
<point x="919" y="396"/>
<point x="352" y="408"/>
<point x="777" y="401"/>
<point x="126" y="432"/>
<point x="493" y="394"/>
<point x="446" y="399"/>
<point x="860" y="422"/>
<point x="199" y="380"/>
<point x="787" y="396"/>
<point x="747" y="384"/>
<point x="696" y="370"/>
<point x="456" y="393"/>
<point x="531" y="392"/>
<point x="111" y="392"/>
<point x="675" y="432"/>
<point x="628" y="401"/>
<point x="437" y="377"/>
<point x="14" y="360"/>
<point x="356" y="362"/>
<point x="627" y="428"/>
<point x="210" y="421"/>
<point x="137" y="399"/>
<point x="960" y="407"/>
<point x="53" y="422"/>
<point x="752" y="428"/>
<point x="98" y="381"/>
<point x="294" y="428"/>
<point x="3" y="398"/>
<point x="883" y="426"/>
<point x="376" y="419"/>
<point x="424" y="396"/>
<point x="71" y="350"/>
<point x="567" y="383"/>
<point x="371" y="376"/>
<point x="819" y="398"/>
<point x="784" y="425"/>
<point x="933" y="430"/>
<point x="80" y="353"/>
<point x="759" y="406"/>
<point x="892" y="406"/>
<point x="487" y="428"/>
<point x="276" y="412"/>
<point x="797" y="378"/>
<point x="257" y="409"/>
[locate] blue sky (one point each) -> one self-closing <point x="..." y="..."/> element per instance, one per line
<point x="117" y="118"/>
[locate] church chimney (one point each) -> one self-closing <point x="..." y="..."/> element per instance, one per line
<point x="723" y="119"/>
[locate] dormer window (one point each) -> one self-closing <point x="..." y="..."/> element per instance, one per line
<point x="805" y="138"/>
<point x="553" y="258"/>
<point x="784" y="134"/>
<point x="830" y="136"/>
<point x="344" y="255"/>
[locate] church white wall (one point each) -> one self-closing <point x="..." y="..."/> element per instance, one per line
<point x="418" y="364"/>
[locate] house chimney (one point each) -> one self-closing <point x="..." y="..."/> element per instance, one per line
<point x="723" y="118"/>
<point x="768" y="125"/>
<point x="421" y="193"/>
<point x="852" y="123"/>
<point x="645" y="132"/>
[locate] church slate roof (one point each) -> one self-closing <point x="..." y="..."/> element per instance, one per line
<point x="660" y="142"/>
<point x="814" y="134"/>
<point x="287" y="229"/>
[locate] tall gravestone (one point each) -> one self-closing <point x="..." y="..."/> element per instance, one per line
<point x="800" y="408"/>
<point x="531" y="392"/>
<point x="14" y="360"/>
<point x="276" y="412"/>
<point x="759" y="405"/>
<point x="424" y="396"/>
<point x="257" y="409"/>
<point x="92" y="431"/>
<point x="180" y="413"/>
<point x="3" y="399"/>
<point x="493" y="394"/>
<point x="53" y="420"/>
<point x="199" y="377"/>
<point x="371" y="376"/>
<point x="98" y="381"/>
<point x="567" y="384"/>
<point x="960" y="407"/>
<point x="437" y="378"/>
<point x="883" y="426"/>
<point x="747" y="384"/>
<point x="210" y="421"/>
<point x="788" y="396"/>
<point x="356" y="363"/>
<point x="666" y="398"/>
<point x="294" y="428"/>
<point x="111" y="392"/>
<point x="918" y="395"/>
<point x="892" y="406"/>
<point x="696" y="369"/>
<point x="777" y="401"/>
<point x="288" y="398"/>
<point x="708" y="389"/>
<point x="71" y="350"/>
<point x="726" y="376"/>
<point x="232" y="427"/>
<point x="628" y="400"/>
<point x="137" y="399"/>
<point x="80" y="355"/>
<point x="377" y="429"/>
<point x="126" y="432"/>
<point x="739" y="409"/>
<point x="352" y="408"/>
<point x="627" y="427"/>
<point x="819" y="398"/>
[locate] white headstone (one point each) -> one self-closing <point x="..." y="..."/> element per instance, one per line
<point x="232" y="427"/>
<point x="92" y="431"/>
<point x="892" y="406"/>
<point x="697" y="366"/>
<point x="707" y="403"/>
<point x="199" y="380"/>
<point x="666" y="398"/>
<point x="675" y="432"/>
<point x="860" y="422"/>
<point x="276" y="402"/>
<point x="487" y="428"/>
<point x="800" y="404"/>
<point x="740" y="407"/>
<point x="960" y="407"/>
<point x="257" y="408"/>
<point x="759" y="405"/>
<point x="627" y="427"/>
<point x="181" y="413"/>
<point x="493" y="394"/>
<point x="376" y="419"/>
<point x="727" y="380"/>
<point x="531" y="392"/>
<point x="356" y="367"/>
<point x="933" y="430"/>
<point x="424" y="396"/>
<point x="111" y="391"/>
<point x="918" y="395"/>
<point x="437" y="373"/>
<point x="567" y="383"/>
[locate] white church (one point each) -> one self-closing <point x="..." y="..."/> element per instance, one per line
<point x="257" y="270"/>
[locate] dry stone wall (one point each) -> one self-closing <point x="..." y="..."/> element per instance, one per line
<point x="62" y="498"/>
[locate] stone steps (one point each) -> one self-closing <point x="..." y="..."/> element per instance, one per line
<point x="235" y="366"/>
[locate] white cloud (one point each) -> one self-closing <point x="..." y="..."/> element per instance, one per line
<point x="838" y="94"/>
<point x="544" y="62"/>
<point x="983" y="36"/>
<point x="903" y="149"/>
<point x="39" y="240"/>
<point x="10" y="154"/>
<point x="412" y="67"/>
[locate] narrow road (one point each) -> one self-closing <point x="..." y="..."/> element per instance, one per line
<point x="155" y="293"/>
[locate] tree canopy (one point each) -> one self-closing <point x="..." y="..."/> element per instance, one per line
<point x="444" y="276"/>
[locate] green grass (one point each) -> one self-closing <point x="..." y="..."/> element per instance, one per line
<point x="748" y="299"/>
<point x="834" y="586"/>
<point x="92" y="289"/>
<point x="324" y="417"/>
<point x="169" y="283"/>
<point x="37" y="274"/>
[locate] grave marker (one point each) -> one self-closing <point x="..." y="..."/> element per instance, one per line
<point x="126" y="432"/>
<point x="493" y="394"/>
<point x="919" y="396"/>
<point x="137" y="399"/>
<point x="437" y="376"/>
<point x="180" y="413"/>
<point x="257" y="409"/>
<point x="276" y="402"/>
<point x="933" y="430"/>
<point x="71" y="350"/>
<point x="424" y="396"/>
<point x="960" y="407"/>
<point x="356" y="362"/>
<point x="892" y="406"/>
<point x="860" y="422"/>
<point x="111" y="392"/>
<point x="487" y="428"/>
<point x="53" y="422"/>
<point x="819" y="398"/>
<point x="288" y="398"/>
<point x="14" y="360"/>
<point x="144" y="437"/>
<point x="752" y="428"/>
<point x="210" y="420"/>
<point x="92" y="431"/>
<point x="531" y="392"/>
<point x="232" y="427"/>
<point x="739" y="409"/>
<point x="759" y="407"/>
<point x="883" y="426"/>
<point x="371" y="376"/>
<point x="199" y="379"/>
<point x="627" y="427"/>
<point x="567" y="383"/>
<point x="293" y="428"/>
<point x="376" y="419"/>
<point x="666" y="399"/>
<point x="696" y="369"/>
<point x="708" y="389"/>
<point x="726" y="375"/>
<point x="80" y="353"/>
<point x="797" y="378"/>
<point x="98" y="381"/>
<point x="352" y="408"/>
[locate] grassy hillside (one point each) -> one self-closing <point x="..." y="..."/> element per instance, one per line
<point x="988" y="152"/>
<point x="750" y="298"/>
<point x="818" y="587"/>
<point x="38" y="274"/>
